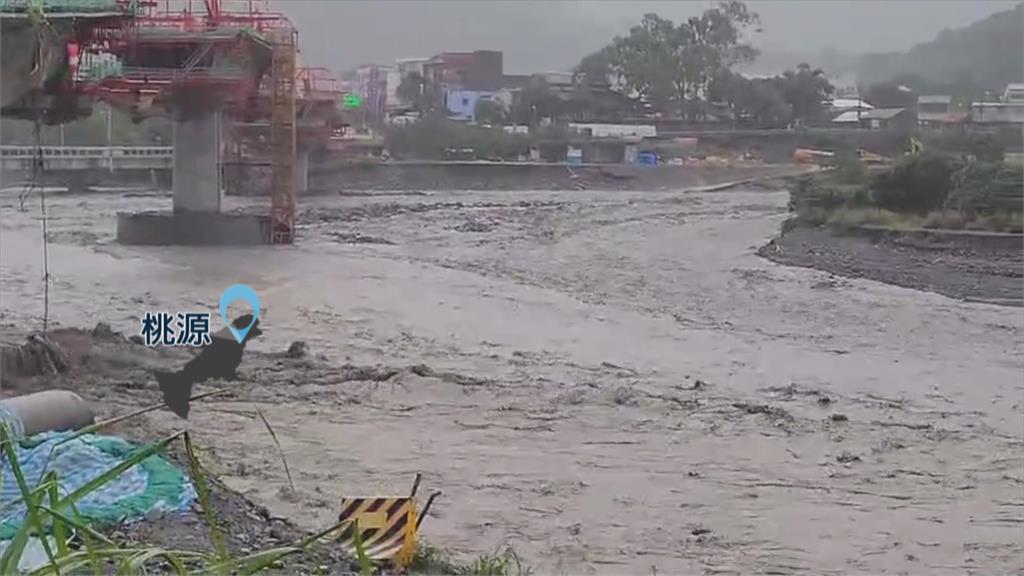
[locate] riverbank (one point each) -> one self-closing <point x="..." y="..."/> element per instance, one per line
<point x="970" y="266"/>
<point x="348" y="177"/>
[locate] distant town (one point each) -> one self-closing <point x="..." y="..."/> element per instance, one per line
<point x="472" y="88"/>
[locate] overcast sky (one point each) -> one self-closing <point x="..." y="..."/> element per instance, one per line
<point x="553" y="35"/>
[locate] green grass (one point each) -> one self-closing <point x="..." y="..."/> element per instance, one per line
<point x="845" y="219"/>
<point x="1014" y="159"/>
<point x="49" y="514"/>
<point x="430" y="560"/>
<point x="844" y="198"/>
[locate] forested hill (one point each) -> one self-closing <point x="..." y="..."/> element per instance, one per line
<point x="987" y="54"/>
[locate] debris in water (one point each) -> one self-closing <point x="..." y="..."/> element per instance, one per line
<point x="474" y="226"/>
<point x="297" y="349"/>
<point x="846" y="458"/>
<point x="771" y="411"/>
<point x="624" y="396"/>
<point x="839" y="417"/>
<point x="103" y="331"/>
<point x="357" y="238"/>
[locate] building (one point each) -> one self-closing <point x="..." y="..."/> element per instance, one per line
<point x="1008" y="110"/>
<point x="995" y="113"/>
<point x="840" y="105"/>
<point x="846" y="112"/>
<point x="461" y="104"/>
<point x="937" y="111"/>
<point x="478" y="70"/>
<point x="406" y="66"/>
<point x="933" y="109"/>
<point x="1014" y="93"/>
<point x="621" y="131"/>
<point x="888" y="119"/>
<point x="392" y="80"/>
<point x="373" y="84"/>
<point x="464" y="78"/>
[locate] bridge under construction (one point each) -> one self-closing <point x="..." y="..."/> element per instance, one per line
<point x="224" y="72"/>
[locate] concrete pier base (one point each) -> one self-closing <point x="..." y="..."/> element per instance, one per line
<point x="197" y="178"/>
<point x="192" y="229"/>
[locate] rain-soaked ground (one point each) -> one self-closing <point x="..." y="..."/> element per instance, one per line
<point x="612" y="382"/>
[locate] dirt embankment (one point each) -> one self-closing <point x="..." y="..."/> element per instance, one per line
<point x="974" y="267"/>
<point x="444" y="176"/>
<point x="114" y="375"/>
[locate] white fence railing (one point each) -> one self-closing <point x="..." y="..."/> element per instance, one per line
<point x="72" y="152"/>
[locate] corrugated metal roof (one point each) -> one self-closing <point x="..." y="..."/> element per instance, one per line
<point x="840" y="103"/>
<point x="848" y="117"/>
<point x="881" y="113"/>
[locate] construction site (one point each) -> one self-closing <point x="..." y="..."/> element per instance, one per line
<point x="481" y="367"/>
<point x="225" y="74"/>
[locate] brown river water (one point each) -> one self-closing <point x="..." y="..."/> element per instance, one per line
<point x="638" y="390"/>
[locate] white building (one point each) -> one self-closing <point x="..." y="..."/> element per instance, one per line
<point x="1014" y="93"/>
<point x="847" y="111"/>
<point x="933" y="109"/>
<point x="406" y="66"/>
<point x="1009" y="110"/>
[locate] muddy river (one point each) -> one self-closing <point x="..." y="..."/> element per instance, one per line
<point x="635" y="389"/>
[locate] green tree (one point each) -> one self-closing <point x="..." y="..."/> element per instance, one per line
<point x="710" y="44"/>
<point x="805" y="90"/>
<point x="890" y="94"/>
<point x="671" y="66"/>
<point x="755" y="103"/>
<point x="489" y="112"/>
<point x="419" y="93"/>
<point x="535" y="102"/>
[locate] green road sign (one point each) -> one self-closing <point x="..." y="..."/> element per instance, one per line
<point x="351" y="101"/>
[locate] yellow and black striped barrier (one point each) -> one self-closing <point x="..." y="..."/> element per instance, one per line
<point x="387" y="526"/>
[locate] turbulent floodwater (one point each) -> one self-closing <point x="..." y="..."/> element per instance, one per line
<point x="645" y="391"/>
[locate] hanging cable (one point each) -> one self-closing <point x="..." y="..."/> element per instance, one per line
<point x="37" y="174"/>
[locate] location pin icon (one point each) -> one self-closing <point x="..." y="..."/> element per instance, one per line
<point x="239" y="292"/>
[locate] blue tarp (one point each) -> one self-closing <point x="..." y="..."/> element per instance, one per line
<point x="152" y="484"/>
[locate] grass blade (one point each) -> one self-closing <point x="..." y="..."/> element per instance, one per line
<point x="12" y="555"/>
<point x="203" y="492"/>
<point x="79" y="525"/>
<point x="137" y="564"/>
<point x="278" y="444"/>
<point x="86" y="532"/>
<point x="60" y="532"/>
<point x="31" y="505"/>
<point x="365" y="565"/>
<point x="76" y="560"/>
<point x="92" y="428"/>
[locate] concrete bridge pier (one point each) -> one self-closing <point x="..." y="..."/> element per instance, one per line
<point x="197" y="178"/>
<point x="196" y="219"/>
